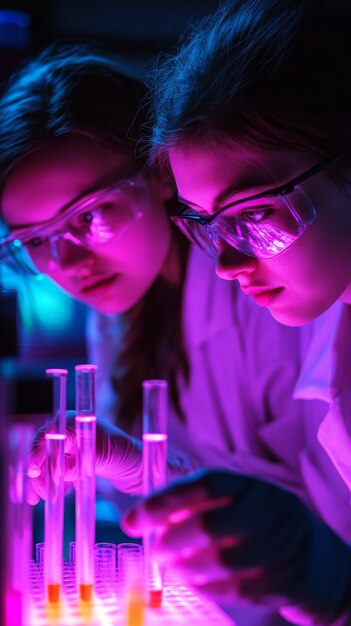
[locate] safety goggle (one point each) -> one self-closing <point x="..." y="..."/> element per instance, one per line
<point x="101" y="217"/>
<point x="263" y="225"/>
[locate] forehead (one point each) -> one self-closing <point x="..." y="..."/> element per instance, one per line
<point x="56" y="173"/>
<point x="206" y="167"/>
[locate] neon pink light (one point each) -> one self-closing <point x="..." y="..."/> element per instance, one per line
<point x="85" y="368"/>
<point x="55" y="371"/>
<point x="86" y="419"/>
<point x="154" y="437"/>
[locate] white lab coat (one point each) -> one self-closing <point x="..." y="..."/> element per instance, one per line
<point x="240" y="405"/>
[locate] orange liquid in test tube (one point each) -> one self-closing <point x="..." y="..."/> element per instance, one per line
<point x="85" y="422"/>
<point x="155" y="397"/>
<point x="55" y="437"/>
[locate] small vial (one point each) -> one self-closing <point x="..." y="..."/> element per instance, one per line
<point x="131" y="582"/>
<point x="105" y="567"/>
<point x="40" y="553"/>
<point x="72" y="552"/>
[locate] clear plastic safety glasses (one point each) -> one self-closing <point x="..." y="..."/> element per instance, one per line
<point x="262" y="225"/>
<point x="101" y="217"/>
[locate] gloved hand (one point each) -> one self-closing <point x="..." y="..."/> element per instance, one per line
<point x="118" y="458"/>
<point x="238" y="538"/>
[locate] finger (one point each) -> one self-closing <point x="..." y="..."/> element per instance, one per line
<point x="31" y="495"/>
<point x="201" y="568"/>
<point x="178" y="501"/>
<point x="182" y="540"/>
<point x="185" y="539"/>
<point x="38" y="486"/>
<point x="37" y="455"/>
<point x="230" y="589"/>
<point x="71" y="470"/>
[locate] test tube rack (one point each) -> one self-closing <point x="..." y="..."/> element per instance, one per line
<point x="180" y="605"/>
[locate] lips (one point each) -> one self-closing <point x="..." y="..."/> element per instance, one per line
<point x="93" y="284"/>
<point x="263" y="297"/>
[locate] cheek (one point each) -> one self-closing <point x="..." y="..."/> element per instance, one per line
<point x="302" y="264"/>
<point x="63" y="281"/>
<point x="149" y="240"/>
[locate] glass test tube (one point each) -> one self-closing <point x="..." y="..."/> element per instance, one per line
<point x="131" y="583"/>
<point x="155" y="396"/>
<point x="72" y="552"/>
<point x="54" y="482"/>
<point x="85" y="488"/>
<point x="19" y="525"/>
<point x="105" y="567"/>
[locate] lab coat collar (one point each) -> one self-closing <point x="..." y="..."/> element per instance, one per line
<point x="325" y="346"/>
<point x="208" y="300"/>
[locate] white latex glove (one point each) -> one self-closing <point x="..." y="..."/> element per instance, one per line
<point x="118" y="458"/>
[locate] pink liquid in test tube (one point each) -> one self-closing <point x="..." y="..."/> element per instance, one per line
<point x="55" y="437"/>
<point x="155" y="396"/>
<point x="85" y="487"/>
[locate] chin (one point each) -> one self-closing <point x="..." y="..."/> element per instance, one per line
<point x="292" y="318"/>
<point x="117" y="305"/>
<point x="110" y="307"/>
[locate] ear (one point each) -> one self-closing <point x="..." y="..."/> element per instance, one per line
<point x="164" y="184"/>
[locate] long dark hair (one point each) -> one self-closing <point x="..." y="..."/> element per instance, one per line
<point x="261" y="72"/>
<point x="81" y="86"/>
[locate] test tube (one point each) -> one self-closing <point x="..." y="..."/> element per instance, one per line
<point x="19" y="526"/>
<point x="155" y="396"/>
<point x="55" y="436"/>
<point x="85" y="487"/>
<point x="40" y="559"/>
<point x="130" y="572"/>
<point x="105" y="567"/>
<point x="72" y="552"/>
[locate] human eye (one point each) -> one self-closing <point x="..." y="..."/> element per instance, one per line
<point x="35" y="242"/>
<point x="97" y="211"/>
<point x="253" y="211"/>
<point x="255" y="216"/>
<point x="85" y="217"/>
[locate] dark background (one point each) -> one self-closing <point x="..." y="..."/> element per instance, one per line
<point x="138" y="29"/>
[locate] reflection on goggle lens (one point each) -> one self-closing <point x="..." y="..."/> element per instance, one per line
<point x="101" y="218"/>
<point x="262" y="229"/>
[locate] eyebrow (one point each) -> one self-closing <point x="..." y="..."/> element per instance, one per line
<point x="67" y="207"/>
<point x="244" y="184"/>
<point x="103" y="184"/>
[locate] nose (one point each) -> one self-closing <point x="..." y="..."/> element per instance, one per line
<point x="71" y="258"/>
<point x="231" y="263"/>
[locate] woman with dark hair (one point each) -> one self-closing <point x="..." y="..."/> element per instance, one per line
<point x="79" y="200"/>
<point x="253" y="117"/>
<point x="82" y="205"/>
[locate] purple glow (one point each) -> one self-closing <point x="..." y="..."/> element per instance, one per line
<point x="56" y="436"/>
<point x="85" y="501"/>
<point x="150" y="437"/>
<point x="85" y="368"/>
<point x="85" y="419"/>
<point x="56" y="372"/>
